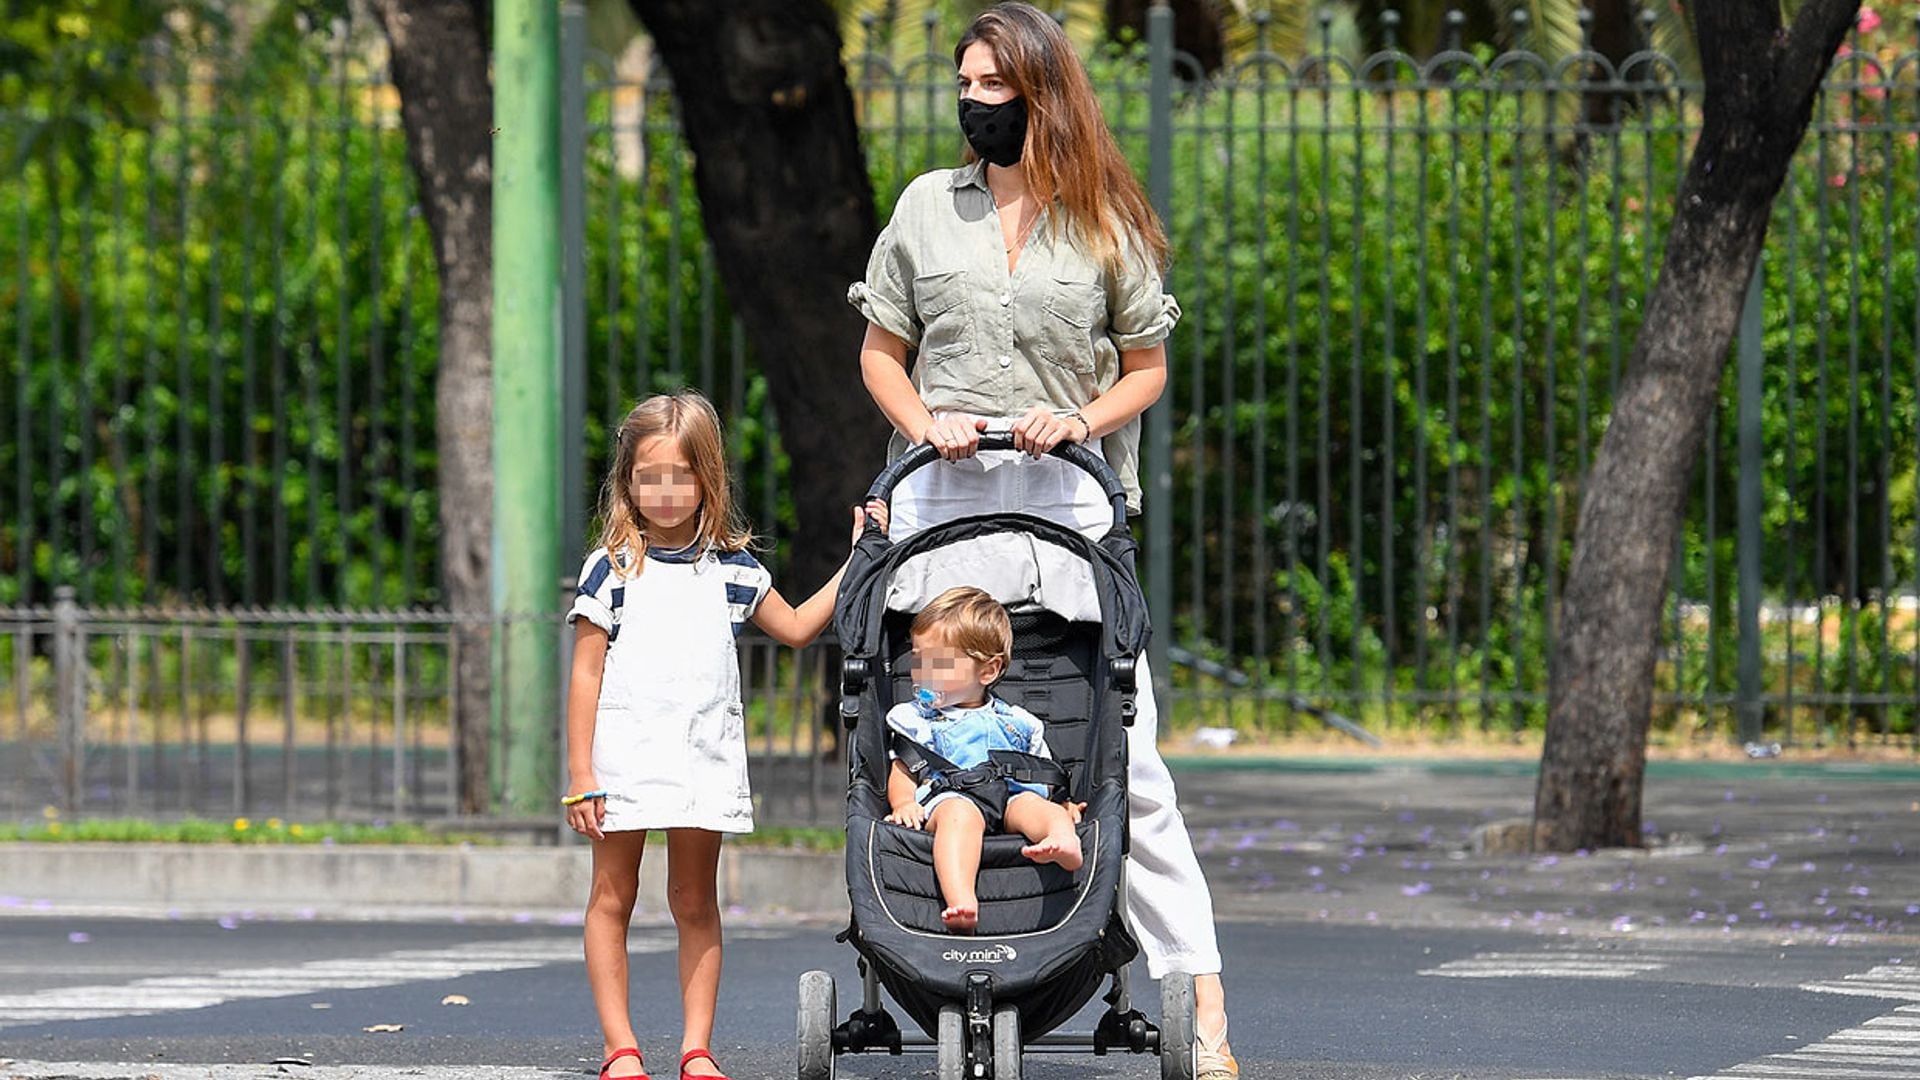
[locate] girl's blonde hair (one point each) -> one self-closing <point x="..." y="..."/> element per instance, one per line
<point x="689" y="419"/>
<point x="1070" y="153"/>
<point x="970" y="620"/>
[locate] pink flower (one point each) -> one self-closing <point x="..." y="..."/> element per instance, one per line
<point x="1869" y="20"/>
<point x="1838" y="179"/>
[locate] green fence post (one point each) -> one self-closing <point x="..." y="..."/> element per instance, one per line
<point x="573" y="278"/>
<point x="526" y="393"/>
<point x="1159" y="456"/>
<point x="1748" y="507"/>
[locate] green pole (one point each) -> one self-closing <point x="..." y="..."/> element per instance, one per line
<point x="1159" y="457"/>
<point x="526" y="395"/>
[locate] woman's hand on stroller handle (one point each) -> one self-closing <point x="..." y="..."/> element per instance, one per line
<point x="1040" y="430"/>
<point x="955" y="435"/>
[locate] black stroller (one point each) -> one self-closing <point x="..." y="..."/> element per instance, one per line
<point x="1047" y="937"/>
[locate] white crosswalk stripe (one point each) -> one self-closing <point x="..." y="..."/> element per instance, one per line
<point x="108" y="1070"/>
<point x="1883" y="1048"/>
<point x="1901" y="981"/>
<point x="1548" y="965"/>
<point x="169" y="993"/>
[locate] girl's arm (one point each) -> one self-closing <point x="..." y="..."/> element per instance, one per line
<point x="796" y="627"/>
<point x="583" y="701"/>
<point x="1143" y="376"/>
<point x="883" y="367"/>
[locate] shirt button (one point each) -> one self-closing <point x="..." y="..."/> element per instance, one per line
<point x="1006" y="361"/>
<point x="1006" y="298"/>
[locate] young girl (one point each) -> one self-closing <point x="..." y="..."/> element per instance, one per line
<point x="654" y="720"/>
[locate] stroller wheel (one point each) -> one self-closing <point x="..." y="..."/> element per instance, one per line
<point x="953" y="1043"/>
<point x="818" y="1004"/>
<point x="1176" y="1027"/>
<point x="1006" y="1043"/>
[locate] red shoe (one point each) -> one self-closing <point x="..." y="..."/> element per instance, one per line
<point x="695" y="1055"/>
<point x="625" y="1051"/>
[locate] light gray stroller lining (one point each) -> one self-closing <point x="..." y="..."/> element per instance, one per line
<point x="1021" y="571"/>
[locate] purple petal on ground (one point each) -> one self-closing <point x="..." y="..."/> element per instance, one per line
<point x="1795" y="925"/>
<point x="523" y="917"/>
<point x="736" y="910"/>
<point x="1721" y="850"/>
<point x="308" y="913"/>
<point x="1551" y="860"/>
<point x="1859" y="890"/>
<point x="1698" y="916"/>
<point x="1234" y="862"/>
<point x="1416" y="889"/>
<point x="1248" y="841"/>
<point x="1763" y="864"/>
<point x="1758" y="905"/>
<point x="1650" y="827"/>
<point x="42" y="903"/>
<point x="1284" y="825"/>
<point x="228" y="922"/>
<point x="1373" y="916"/>
<point x="1661" y="880"/>
<point x="1426" y="866"/>
<point x="1726" y="796"/>
<point x="1834" y="940"/>
<point x="1808" y="867"/>
<point x="1314" y="871"/>
<point x="1346" y="868"/>
<point x="1406" y="817"/>
<point x="1693" y="894"/>
<point x="1426" y="835"/>
<point x="1486" y="875"/>
<point x="12" y="901"/>
<point x="1913" y="909"/>
<point x="1319" y="886"/>
<point x="1821" y="799"/>
<point x="79" y="937"/>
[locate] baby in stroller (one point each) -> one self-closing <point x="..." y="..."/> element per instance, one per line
<point x="957" y="746"/>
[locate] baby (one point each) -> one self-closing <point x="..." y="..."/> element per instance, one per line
<point x="962" y="643"/>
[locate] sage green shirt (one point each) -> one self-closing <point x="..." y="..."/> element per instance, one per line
<point x="994" y="344"/>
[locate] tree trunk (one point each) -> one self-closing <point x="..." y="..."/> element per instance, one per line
<point x="1196" y="28"/>
<point x="1761" y="80"/>
<point x="788" y="208"/>
<point x="439" y="62"/>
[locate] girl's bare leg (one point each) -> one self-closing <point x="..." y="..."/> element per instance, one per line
<point x="616" y="883"/>
<point x="1047" y="826"/>
<point x="958" y="831"/>
<point x="693" y="861"/>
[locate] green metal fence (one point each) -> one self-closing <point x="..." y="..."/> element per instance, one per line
<point x="1410" y="285"/>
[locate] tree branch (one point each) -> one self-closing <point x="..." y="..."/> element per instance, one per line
<point x="1816" y="34"/>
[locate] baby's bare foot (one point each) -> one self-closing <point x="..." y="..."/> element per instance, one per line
<point x="962" y="917"/>
<point x="1062" y="849"/>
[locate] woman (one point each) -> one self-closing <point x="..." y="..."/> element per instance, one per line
<point x="1027" y="282"/>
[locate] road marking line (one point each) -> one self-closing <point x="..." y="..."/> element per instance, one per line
<point x="1550" y="965"/>
<point x="171" y="993"/>
<point x="1883" y="1048"/>
<point x="1900" y="981"/>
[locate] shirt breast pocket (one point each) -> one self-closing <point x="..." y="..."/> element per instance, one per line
<point x="945" y="308"/>
<point x="1066" y="332"/>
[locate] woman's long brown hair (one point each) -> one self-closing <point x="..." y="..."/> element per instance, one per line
<point x="1070" y="153"/>
<point x="689" y="419"/>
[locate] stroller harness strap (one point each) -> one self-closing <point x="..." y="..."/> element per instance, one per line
<point x="1002" y="765"/>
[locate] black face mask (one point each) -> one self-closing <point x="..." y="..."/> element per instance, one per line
<point x="997" y="133"/>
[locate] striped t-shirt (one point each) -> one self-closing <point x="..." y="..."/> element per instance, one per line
<point x="601" y="596"/>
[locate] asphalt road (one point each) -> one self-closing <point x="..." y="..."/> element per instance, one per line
<point x="115" y="998"/>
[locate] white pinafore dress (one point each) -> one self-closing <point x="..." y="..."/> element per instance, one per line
<point x="669" y="736"/>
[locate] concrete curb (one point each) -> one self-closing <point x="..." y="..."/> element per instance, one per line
<point x="340" y="880"/>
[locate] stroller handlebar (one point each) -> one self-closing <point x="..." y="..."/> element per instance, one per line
<point x="1086" y="460"/>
